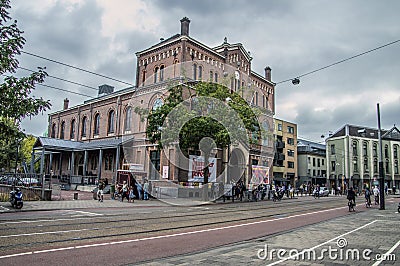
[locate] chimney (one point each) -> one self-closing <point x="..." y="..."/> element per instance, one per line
<point x="66" y="103"/>
<point x="185" y="26"/>
<point x="268" y="73"/>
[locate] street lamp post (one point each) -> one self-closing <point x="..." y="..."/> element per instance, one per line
<point x="381" y="175"/>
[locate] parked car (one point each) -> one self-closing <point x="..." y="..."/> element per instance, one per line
<point x="323" y="192"/>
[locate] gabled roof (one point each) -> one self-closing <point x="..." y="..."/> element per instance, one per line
<point x="392" y="134"/>
<point x="366" y="132"/>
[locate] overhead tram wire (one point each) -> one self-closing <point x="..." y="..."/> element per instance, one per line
<point x="78" y="68"/>
<point x="77" y="93"/>
<point x="69" y="81"/>
<point x="338" y="62"/>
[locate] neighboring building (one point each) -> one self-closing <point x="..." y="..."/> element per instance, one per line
<point x="285" y="160"/>
<point x="311" y="160"/>
<point x="107" y="133"/>
<point x="353" y="157"/>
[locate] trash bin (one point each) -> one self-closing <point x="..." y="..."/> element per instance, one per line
<point x="75" y="195"/>
<point x="112" y="191"/>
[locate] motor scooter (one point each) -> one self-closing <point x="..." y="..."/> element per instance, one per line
<point x="16" y="198"/>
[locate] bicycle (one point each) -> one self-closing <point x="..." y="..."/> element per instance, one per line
<point x="351" y="205"/>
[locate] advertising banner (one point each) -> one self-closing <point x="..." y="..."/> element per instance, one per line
<point x="196" y="165"/>
<point x="259" y="174"/>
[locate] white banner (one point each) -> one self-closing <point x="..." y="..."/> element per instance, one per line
<point x="196" y="165"/>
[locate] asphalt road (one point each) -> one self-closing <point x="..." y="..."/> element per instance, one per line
<point x="120" y="236"/>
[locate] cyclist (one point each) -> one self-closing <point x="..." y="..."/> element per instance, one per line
<point x="351" y="196"/>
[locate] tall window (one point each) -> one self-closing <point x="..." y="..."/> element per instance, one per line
<point x="200" y="72"/>
<point x="72" y="131"/>
<point x="365" y="148"/>
<point x="143" y="76"/>
<point x="162" y="73"/>
<point x="375" y="165"/>
<point x="111" y="119"/>
<point x="211" y="76"/>
<point x="53" y="131"/>
<point x="290" y="130"/>
<point x="194" y="71"/>
<point x="366" y="167"/>
<point x="375" y="150"/>
<point x="387" y="166"/>
<point x="109" y="162"/>
<point x="216" y="77"/>
<point x="396" y="167"/>
<point x="355" y="148"/>
<point x="128" y="118"/>
<point x="96" y="124"/>
<point x="355" y="164"/>
<point x="333" y="152"/>
<point x="155" y="74"/>
<point x="395" y="151"/>
<point x="62" y="133"/>
<point x="386" y="151"/>
<point x="84" y="120"/>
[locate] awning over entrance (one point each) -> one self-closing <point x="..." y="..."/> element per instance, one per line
<point x="69" y="145"/>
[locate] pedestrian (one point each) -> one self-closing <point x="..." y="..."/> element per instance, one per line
<point x="376" y="195"/>
<point x="139" y="190"/>
<point x="131" y="195"/>
<point x="124" y="191"/>
<point x="100" y="194"/>
<point x="145" y="190"/>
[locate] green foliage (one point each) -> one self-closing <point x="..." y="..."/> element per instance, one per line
<point x="15" y="93"/>
<point x="207" y="116"/>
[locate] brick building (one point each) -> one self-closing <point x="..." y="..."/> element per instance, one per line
<point x="99" y="136"/>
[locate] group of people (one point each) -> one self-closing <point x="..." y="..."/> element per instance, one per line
<point x="132" y="192"/>
<point x="122" y="191"/>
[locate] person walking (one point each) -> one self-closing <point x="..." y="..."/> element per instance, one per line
<point x="100" y="193"/>
<point x="131" y="195"/>
<point x="376" y="195"/>
<point x="124" y="191"/>
<point x="145" y="190"/>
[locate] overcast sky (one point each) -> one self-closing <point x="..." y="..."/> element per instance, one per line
<point x="292" y="37"/>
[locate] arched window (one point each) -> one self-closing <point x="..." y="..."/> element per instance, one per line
<point x="83" y="133"/>
<point x="111" y="116"/>
<point x="386" y="151"/>
<point x="200" y="72"/>
<point x="62" y="133"/>
<point x="53" y="131"/>
<point x="355" y="148"/>
<point x="216" y="77"/>
<point x="143" y="76"/>
<point x="194" y="71"/>
<point x="162" y="73"/>
<point x="395" y="151"/>
<point x="365" y="148"/>
<point x="128" y="118"/>
<point x="375" y="150"/>
<point x="72" y="130"/>
<point x="96" y="124"/>
<point x="155" y="74"/>
<point x="375" y="165"/>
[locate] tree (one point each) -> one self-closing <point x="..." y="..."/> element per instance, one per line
<point x="203" y="118"/>
<point x="15" y="92"/>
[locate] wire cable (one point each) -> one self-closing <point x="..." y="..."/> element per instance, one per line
<point x="339" y="62"/>
<point x="69" y="81"/>
<point x="77" y="93"/>
<point x="78" y="68"/>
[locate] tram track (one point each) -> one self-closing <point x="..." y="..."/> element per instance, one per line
<point x="124" y="230"/>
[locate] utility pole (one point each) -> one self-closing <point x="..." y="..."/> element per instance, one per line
<point x="381" y="174"/>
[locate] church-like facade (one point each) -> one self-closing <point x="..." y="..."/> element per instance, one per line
<point x="105" y="134"/>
